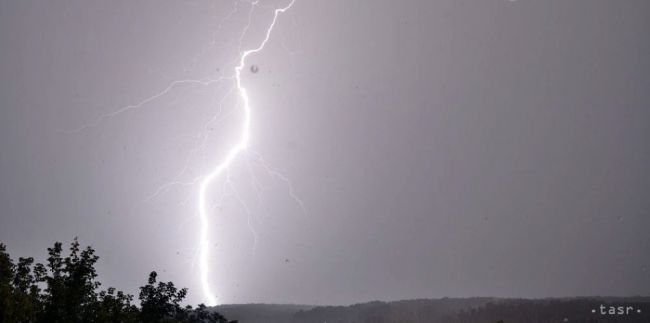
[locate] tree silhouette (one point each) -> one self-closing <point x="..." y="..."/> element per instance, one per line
<point x="71" y="293"/>
<point x="161" y="301"/>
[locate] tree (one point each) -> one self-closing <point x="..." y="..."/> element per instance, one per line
<point x="6" y="287"/>
<point x="161" y="301"/>
<point x="116" y="307"/>
<point x="71" y="293"/>
<point x="201" y="314"/>
<point x="26" y="293"/>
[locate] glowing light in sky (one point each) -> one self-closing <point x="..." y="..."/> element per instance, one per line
<point x="238" y="147"/>
<point x="241" y="145"/>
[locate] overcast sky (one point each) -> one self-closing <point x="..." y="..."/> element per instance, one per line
<point x="439" y="148"/>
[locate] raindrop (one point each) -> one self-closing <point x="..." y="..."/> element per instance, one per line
<point x="255" y="68"/>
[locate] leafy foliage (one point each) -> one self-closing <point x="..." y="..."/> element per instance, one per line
<point x="65" y="289"/>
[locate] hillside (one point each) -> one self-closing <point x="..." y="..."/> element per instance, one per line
<point x="452" y="310"/>
<point x="261" y="313"/>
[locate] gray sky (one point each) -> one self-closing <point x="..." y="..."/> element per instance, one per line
<point x="440" y="148"/>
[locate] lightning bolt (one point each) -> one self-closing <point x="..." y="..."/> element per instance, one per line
<point x="206" y="181"/>
<point x="234" y="151"/>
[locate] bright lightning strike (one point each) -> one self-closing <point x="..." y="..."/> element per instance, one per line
<point x="235" y="150"/>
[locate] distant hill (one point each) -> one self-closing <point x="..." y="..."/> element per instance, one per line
<point x="261" y="313"/>
<point x="418" y="310"/>
<point x="451" y="310"/>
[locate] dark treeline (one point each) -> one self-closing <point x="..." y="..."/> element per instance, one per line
<point x="65" y="289"/>
<point x="557" y="310"/>
<point x="418" y="310"/>
<point x="484" y="310"/>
